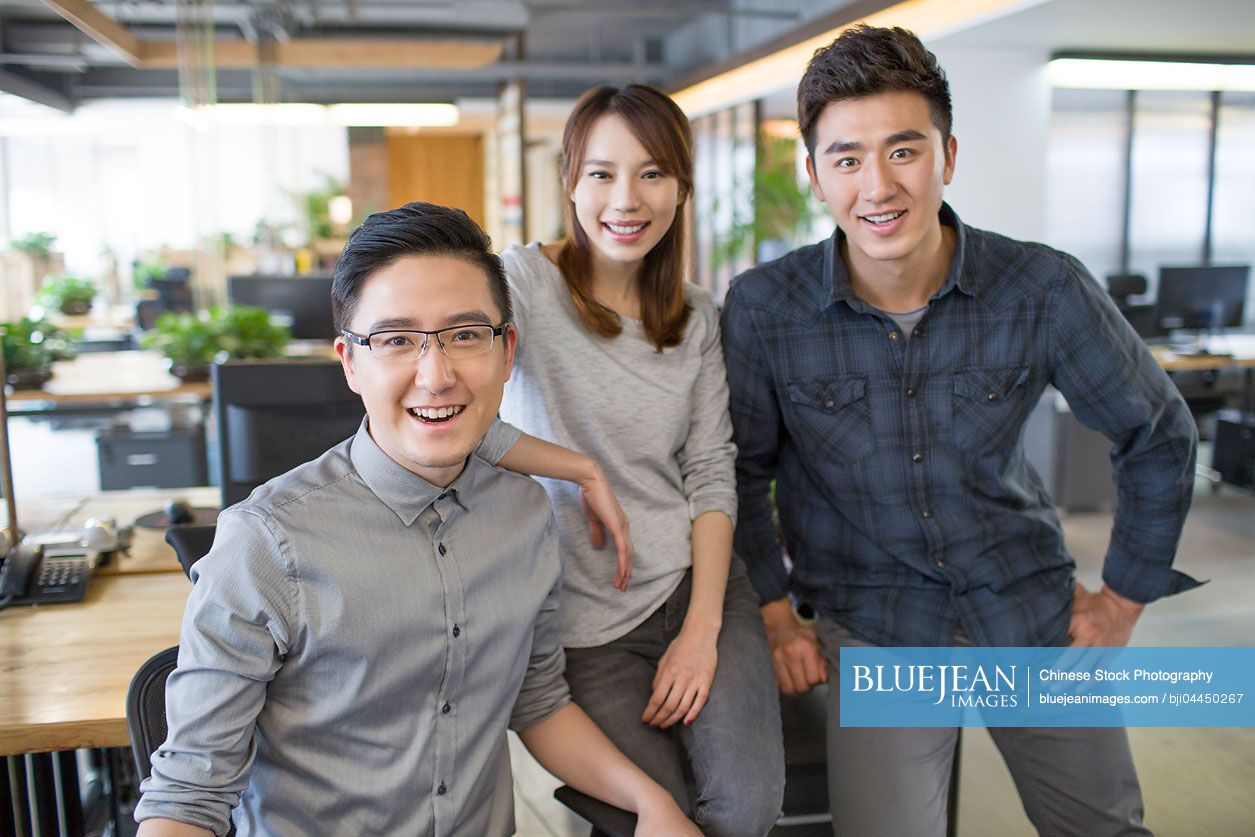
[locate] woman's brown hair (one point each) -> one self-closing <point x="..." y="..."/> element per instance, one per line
<point x="663" y="129"/>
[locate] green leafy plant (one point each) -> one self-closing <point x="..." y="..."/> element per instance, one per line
<point x="68" y="294"/>
<point x="234" y="332"/>
<point x="31" y="346"/>
<point x="147" y="271"/>
<point x="35" y="244"/>
<point x="314" y="206"/>
<point x="775" y="206"/>
<point x="246" y="332"/>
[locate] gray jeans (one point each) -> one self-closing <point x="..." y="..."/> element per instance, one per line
<point x="896" y="781"/>
<point x="727" y="769"/>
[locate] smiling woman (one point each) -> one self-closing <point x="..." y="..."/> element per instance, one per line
<point x="620" y="359"/>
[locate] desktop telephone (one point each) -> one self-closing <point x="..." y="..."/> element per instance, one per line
<point x="54" y="568"/>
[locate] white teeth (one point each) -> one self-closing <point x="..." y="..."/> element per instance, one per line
<point x="437" y="412"/>
<point x="618" y="230"/>
<point x="880" y="219"/>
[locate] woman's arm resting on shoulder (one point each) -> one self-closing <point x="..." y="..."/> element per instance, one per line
<point x="601" y="509"/>
<point x="570" y="746"/>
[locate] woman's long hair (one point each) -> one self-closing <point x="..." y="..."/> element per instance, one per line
<point x="663" y="129"/>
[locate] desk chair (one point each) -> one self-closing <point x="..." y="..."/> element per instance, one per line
<point x="191" y="542"/>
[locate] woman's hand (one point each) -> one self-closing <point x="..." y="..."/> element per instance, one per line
<point x="603" y="512"/>
<point x="682" y="682"/>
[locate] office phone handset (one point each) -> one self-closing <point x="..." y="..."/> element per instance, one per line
<point x="39" y="573"/>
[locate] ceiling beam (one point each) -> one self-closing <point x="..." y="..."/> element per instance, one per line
<point x="34" y="91"/>
<point x="339" y="53"/>
<point x="100" y="27"/>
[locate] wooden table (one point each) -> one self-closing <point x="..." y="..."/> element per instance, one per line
<point x="104" y="377"/>
<point x="64" y="669"/>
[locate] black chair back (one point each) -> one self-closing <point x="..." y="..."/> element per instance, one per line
<point x="191" y="542"/>
<point x="146" y="708"/>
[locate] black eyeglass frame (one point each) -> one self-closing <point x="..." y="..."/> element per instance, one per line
<point x="364" y="339"/>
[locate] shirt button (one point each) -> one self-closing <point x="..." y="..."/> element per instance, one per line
<point x="917" y="457"/>
<point x="927" y="515"/>
<point x="440" y="548"/>
<point x="457" y="632"/>
<point x="941" y="563"/>
<point x="441" y="790"/>
<point x="910" y="392"/>
<point x="993" y="396"/>
<point x="829" y="403"/>
<point x="893" y="335"/>
<point x="446" y="709"/>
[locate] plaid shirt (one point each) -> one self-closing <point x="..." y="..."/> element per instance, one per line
<point x="907" y="506"/>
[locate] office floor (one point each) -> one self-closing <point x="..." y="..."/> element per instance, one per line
<point x="1195" y="781"/>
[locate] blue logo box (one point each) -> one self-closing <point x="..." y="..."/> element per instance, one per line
<point x="1047" y="687"/>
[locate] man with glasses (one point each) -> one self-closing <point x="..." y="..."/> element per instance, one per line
<point x="367" y="625"/>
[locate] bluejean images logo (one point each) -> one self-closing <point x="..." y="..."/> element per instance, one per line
<point x="974" y="687"/>
<point x="1042" y="687"/>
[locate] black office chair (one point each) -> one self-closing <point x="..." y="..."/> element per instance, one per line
<point x="191" y="542"/>
<point x="1121" y="286"/>
<point x="146" y="708"/>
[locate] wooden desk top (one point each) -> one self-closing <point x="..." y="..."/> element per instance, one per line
<point x="111" y="376"/>
<point x="64" y="669"/>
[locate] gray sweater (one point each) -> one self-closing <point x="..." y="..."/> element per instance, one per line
<point x="656" y="422"/>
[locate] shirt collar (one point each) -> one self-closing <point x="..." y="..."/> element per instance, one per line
<point x="840" y="289"/>
<point x="400" y="489"/>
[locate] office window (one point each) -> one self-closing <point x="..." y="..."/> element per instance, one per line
<point x="1169" y="166"/>
<point x="1085" y="176"/>
<point x="1233" y="219"/>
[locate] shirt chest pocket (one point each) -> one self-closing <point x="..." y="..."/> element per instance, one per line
<point x="832" y="418"/>
<point x="988" y="407"/>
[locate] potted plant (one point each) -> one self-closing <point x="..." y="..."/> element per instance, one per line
<point x="30" y="348"/>
<point x="190" y="342"/>
<point x="68" y="294"/>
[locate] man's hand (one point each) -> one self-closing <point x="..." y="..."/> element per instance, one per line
<point x="602" y="511"/>
<point x="1104" y="618"/>
<point x="795" y="652"/>
<point x="682" y="682"/>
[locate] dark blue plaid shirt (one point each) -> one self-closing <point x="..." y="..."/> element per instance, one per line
<point x="907" y="506"/>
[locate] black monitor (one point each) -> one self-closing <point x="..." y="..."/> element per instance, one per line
<point x="302" y="303"/>
<point x="1201" y="298"/>
<point x="275" y="415"/>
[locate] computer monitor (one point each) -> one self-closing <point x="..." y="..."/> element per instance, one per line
<point x="302" y="303"/>
<point x="275" y="415"/>
<point x="1201" y="298"/>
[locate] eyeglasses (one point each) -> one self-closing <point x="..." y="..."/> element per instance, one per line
<point x="408" y="345"/>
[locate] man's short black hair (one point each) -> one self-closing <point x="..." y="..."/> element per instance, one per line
<point x="866" y="60"/>
<point x="416" y="229"/>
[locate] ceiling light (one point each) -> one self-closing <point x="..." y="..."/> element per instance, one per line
<point x="1130" y="74"/>
<point x="783" y="69"/>
<point x="304" y="115"/>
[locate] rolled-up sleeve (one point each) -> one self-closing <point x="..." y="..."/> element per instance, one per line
<point x="544" y="689"/>
<point x="757" y="427"/>
<point x="234" y="634"/>
<point x="1114" y="385"/>
<point x="707" y="459"/>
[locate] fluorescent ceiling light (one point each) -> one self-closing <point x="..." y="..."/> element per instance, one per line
<point x="784" y="68"/>
<point x="301" y="115"/>
<point x="1123" y="74"/>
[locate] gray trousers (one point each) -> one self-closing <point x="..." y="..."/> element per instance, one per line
<point x="727" y="769"/>
<point x="896" y="781"/>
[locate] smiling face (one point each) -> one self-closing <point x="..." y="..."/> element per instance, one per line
<point x="428" y="415"/>
<point x="624" y="202"/>
<point x="880" y="166"/>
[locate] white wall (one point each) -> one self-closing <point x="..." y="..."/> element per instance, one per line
<point x="1001" y="120"/>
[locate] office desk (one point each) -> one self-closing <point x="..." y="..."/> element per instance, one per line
<point x="64" y="669"/>
<point x="149" y="552"/>
<point x="104" y="378"/>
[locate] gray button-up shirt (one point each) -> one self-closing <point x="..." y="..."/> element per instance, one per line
<point x="353" y="648"/>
